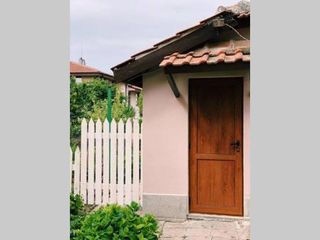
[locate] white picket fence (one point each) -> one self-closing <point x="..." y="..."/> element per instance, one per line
<point x="108" y="165"/>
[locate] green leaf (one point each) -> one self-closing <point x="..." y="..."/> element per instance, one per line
<point x="109" y="230"/>
<point x="134" y="206"/>
<point x="140" y="226"/>
<point x="140" y="236"/>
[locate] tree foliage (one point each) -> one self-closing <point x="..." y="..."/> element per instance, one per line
<point x="90" y="100"/>
<point x="121" y="108"/>
<point x="140" y="105"/>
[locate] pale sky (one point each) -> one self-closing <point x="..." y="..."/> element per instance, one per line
<point x="108" y="32"/>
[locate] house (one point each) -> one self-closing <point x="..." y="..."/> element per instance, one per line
<point x="196" y="113"/>
<point x="132" y="92"/>
<point x="84" y="73"/>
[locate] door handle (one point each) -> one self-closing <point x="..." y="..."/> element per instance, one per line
<point x="236" y="144"/>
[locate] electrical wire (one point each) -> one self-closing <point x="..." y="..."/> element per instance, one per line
<point x="236" y="31"/>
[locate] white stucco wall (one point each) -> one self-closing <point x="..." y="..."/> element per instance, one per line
<point x="165" y="132"/>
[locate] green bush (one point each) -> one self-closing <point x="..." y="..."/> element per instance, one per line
<point x="118" y="223"/>
<point x="77" y="214"/>
<point x="120" y="107"/>
<point x="140" y="106"/>
<point x="90" y="100"/>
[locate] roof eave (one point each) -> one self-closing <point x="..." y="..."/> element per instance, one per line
<point x="135" y="67"/>
<point x="93" y="74"/>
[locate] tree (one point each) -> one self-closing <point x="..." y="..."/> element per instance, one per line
<point x="90" y="100"/>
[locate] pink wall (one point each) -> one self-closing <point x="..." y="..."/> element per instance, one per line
<point x="165" y="136"/>
<point x="165" y="132"/>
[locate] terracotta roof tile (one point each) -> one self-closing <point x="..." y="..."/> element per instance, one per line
<point x="244" y="15"/>
<point x="226" y="52"/>
<point x="78" y="68"/>
<point x="246" y="58"/>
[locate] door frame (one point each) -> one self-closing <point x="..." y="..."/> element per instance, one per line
<point x="245" y="134"/>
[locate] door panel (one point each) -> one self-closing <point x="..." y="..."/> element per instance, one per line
<point x="216" y="111"/>
<point x="215" y="158"/>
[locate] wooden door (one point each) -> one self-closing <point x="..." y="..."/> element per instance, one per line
<point x="216" y="168"/>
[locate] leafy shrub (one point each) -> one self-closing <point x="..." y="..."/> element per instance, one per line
<point x="140" y="106"/>
<point x="86" y="99"/>
<point x="90" y="100"/>
<point x="118" y="223"/>
<point x="120" y="107"/>
<point x="77" y="214"/>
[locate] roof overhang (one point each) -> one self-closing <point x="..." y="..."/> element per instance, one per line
<point x="150" y="59"/>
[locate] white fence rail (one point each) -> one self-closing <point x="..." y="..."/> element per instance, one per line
<point x="107" y="167"/>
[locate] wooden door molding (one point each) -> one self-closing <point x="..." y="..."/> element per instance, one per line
<point x="215" y="165"/>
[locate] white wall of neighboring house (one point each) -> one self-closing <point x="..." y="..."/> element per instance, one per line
<point x="132" y="95"/>
<point x="78" y="80"/>
<point x="123" y="88"/>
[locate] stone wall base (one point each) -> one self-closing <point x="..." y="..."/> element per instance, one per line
<point x="166" y="206"/>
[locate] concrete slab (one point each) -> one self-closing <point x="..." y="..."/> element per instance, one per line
<point x="205" y="230"/>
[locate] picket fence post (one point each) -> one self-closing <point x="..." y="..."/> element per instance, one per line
<point x="83" y="177"/>
<point x="106" y="158"/>
<point x="135" y="160"/>
<point x="98" y="152"/>
<point x="128" y="174"/>
<point x="76" y="167"/>
<point x="141" y="164"/>
<point x="71" y="167"/>
<point x="113" y="162"/>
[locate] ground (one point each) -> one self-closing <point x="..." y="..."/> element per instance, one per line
<point x="205" y="229"/>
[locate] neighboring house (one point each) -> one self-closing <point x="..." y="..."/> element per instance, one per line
<point x="196" y="117"/>
<point x="132" y="92"/>
<point x="84" y="73"/>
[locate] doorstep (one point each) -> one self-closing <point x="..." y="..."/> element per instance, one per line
<point x="222" y="218"/>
